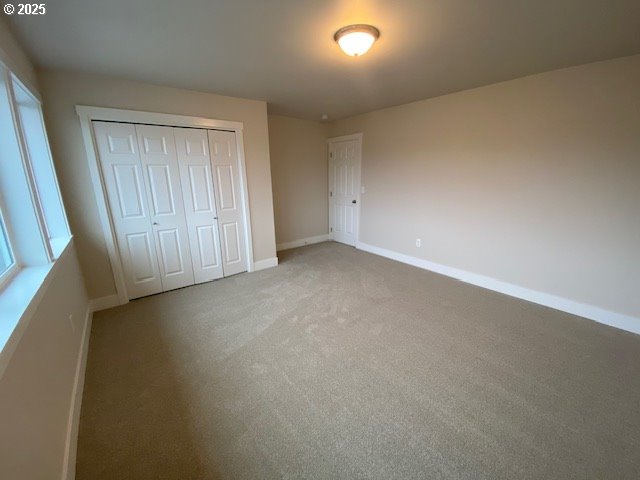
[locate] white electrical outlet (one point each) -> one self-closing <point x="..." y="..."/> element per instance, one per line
<point x="418" y="242"/>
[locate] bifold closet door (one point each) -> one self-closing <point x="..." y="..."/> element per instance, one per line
<point x="192" y="147"/>
<point x="160" y="164"/>
<point x="226" y="175"/>
<point x="127" y="196"/>
<point x="140" y="169"/>
<point x="176" y="204"/>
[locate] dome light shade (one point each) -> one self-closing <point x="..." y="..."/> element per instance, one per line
<point x="356" y="40"/>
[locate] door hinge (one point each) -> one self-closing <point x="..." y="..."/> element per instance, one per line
<point x="331" y="194"/>
<point x="330" y="154"/>
<point x="331" y="230"/>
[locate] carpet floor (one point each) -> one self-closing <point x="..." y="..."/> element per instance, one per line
<point x="342" y="364"/>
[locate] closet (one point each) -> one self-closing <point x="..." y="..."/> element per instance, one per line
<point x="175" y="204"/>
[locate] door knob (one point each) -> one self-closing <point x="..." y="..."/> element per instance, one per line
<point x="353" y="201"/>
<point x="215" y="218"/>
<point x="156" y="223"/>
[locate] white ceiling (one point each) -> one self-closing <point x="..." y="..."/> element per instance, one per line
<point x="282" y="51"/>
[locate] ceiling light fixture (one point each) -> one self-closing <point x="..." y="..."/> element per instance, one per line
<point x="356" y="40"/>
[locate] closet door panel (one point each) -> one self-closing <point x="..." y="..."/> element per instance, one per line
<point x="161" y="191"/>
<point x="126" y="193"/>
<point x="224" y="159"/>
<point x="171" y="249"/>
<point x="231" y="243"/>
<point x="161" y="173"/>
<point x="208" y="247"/>
<point x="142" y="257"/>
<point x="199" y="202"/>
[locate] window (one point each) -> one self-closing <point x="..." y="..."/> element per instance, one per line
<point x="39" y="160"/>
<point x="33" y="224"/>
<point x="6" y="255"/>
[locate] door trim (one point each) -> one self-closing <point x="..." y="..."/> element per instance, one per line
<point x="88" y="114"/>
<point x="345" y="138"/>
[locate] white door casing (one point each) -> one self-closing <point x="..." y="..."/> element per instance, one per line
<point x="344" y="188"/>
<point x="192" y="146"/>
<point x="227" y="187"/>
<point x="160" y="166"/>
<point x="117" y="146"/>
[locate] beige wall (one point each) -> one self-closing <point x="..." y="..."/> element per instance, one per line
<point x="299" y="177"/>
<point x="535" y="181"/>
<point x="14" y="57"/>
<point x="62" y="91"/>
<point x="37" y="384"/>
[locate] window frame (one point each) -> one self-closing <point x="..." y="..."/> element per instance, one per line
<point x="51" y="247"/>
<point x="25" y="158"/>
<point x="54" y="243"/>
<point x="14" y="267"/>
<point x="25" y="183"/>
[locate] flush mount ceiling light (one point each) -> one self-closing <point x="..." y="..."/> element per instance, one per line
<point x="356" y="40"/>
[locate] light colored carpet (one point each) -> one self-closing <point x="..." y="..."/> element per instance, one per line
<point x="341" y="364"/>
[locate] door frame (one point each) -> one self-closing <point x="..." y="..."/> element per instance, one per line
<point x="346" y="138"/>
<point x="88" y="114"/>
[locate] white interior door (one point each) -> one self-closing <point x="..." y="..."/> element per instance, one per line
<point x="161" y="172"/>
<point x="126" y="191"/>
<point x="192" y="146"/>
<point x="226" y="182"/>
<point x="344" y="190"/>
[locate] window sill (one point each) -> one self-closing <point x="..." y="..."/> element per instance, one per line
<point x="19" y="300"/>
<point x="59" y="245"/>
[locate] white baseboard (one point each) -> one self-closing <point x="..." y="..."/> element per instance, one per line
<point x="264" y="264"/>
<point x="103" y="303"/>
<point x="302" y="242"/>
<point x="71" y="444"/>
<point x="607" y="317"/>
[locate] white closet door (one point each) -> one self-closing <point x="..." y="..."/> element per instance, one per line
<point x="199" y="202"/>
<point x="226" y="179"/>
<point x="126" y="191"/>
<point x="161" y="172"/>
